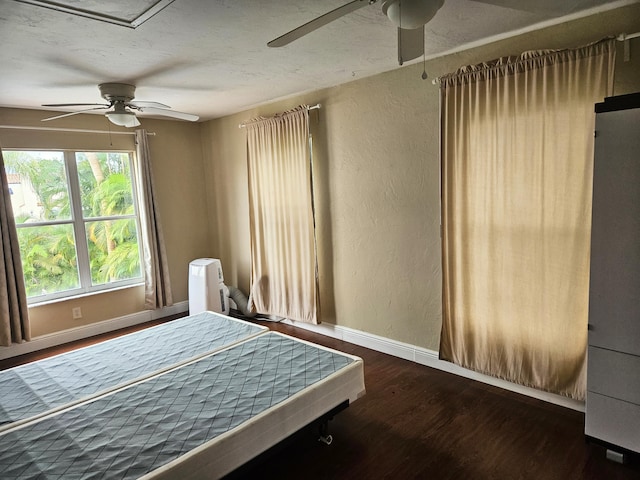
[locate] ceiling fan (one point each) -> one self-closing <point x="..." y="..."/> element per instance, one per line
<point x="120" y="99"/>
<point x="409" y="16"/>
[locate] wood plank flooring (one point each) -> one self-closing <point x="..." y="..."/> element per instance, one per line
<point x="417" y="422"/>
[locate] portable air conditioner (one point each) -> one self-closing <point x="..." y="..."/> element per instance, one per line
<point x="207" y="291"/>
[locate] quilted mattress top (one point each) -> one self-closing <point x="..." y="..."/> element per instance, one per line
<point x="141" y="427"/>
<point x="36" y="388"/>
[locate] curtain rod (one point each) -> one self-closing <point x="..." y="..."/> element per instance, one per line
<point x="622" y="37"/>
<point x="627" y="36"/>
<point x="73" y="130"/>
<point x="312" y="107"/>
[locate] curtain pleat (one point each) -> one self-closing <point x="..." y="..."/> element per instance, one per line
<point x="156" y="269"/>
<point x="517" y="161"/>
<point x="14" y="313"/>
<point x="283" y="249"/>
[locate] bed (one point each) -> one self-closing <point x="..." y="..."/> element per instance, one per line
<point x="200" y="418"/>
<point x="38" y="388"/>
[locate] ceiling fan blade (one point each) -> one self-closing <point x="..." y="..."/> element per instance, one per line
<point x="410" y="44"/>
<point x="106" y="105"/>
<point x="137" y="104"/>
<point x="319" y="22"/>
<point x="169" y="113"/>
<point x="74" y="113"/>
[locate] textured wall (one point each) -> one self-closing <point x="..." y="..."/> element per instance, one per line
<point x="377" y="184"/>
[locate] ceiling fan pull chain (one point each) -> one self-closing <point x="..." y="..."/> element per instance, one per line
<point x="424" y="56"/>
<point x="109" y="129"/>
<point x="400" y="59"/>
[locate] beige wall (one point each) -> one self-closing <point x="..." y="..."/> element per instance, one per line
<point x="176" y="152"/>
<point x="377" y="182"/>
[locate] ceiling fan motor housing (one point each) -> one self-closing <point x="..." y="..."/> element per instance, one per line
<point x="117" y="92"/>
<point x="410" y="14"/>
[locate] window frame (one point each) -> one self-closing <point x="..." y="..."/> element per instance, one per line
<point x="78" y="222"/>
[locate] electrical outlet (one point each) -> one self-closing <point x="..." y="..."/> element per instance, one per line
<point x="76" y="312"/>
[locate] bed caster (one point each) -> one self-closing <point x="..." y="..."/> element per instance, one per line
<point x="615" y="456"/>
<point x="324" y="433"/>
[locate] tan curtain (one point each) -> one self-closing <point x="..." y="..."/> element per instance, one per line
<point x="156" y="270"/>
<point x="14" y="314"/>
<point x="283" y="252"/>
<point x="517" y="159"/>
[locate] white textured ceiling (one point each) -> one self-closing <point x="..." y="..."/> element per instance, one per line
<point x="210" y="58"/>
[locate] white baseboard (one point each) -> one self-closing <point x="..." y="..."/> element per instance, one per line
<point x="430" y="358"/>
<point x="396" y="348"/>
<point x="90" y="330"/>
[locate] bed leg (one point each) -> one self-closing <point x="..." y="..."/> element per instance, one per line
<point x="324" y="433"/>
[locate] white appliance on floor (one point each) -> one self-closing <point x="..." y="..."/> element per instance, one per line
<point x="207" y="291"/>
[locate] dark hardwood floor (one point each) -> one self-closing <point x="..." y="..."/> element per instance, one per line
<point x="417" y="422"/>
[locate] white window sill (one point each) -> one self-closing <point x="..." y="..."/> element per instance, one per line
<point x="84" y="295"/>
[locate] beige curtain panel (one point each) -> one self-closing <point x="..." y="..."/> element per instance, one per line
<point x="14" y="314"/>
<point x="283" y="249"/>
<point x="157" y="283"/>
<point x="517" y="159"/>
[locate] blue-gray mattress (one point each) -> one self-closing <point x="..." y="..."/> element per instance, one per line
<point x="39" y="387"/>
<point x="198" y="420"/>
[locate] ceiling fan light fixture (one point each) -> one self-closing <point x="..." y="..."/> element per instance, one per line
<point x="123" y="119"/>
<point x="410" y="14"/>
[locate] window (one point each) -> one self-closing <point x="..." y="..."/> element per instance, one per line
<point x="77" y="222"/>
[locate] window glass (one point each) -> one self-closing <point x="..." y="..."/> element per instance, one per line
<point x="49" y="259"/>
<point x="105" y="184"/>
<point x="113" y="250"/>
<point x="38" y="186"/>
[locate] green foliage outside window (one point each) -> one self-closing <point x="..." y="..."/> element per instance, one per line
<point x="42" y="206"/>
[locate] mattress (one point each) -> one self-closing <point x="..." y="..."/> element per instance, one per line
<point x="198" y="420"/>
<point x="36" y="388"/>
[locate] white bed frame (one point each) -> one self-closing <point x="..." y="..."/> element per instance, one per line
<point x="233" y="449"/>
<point x="230" y="450"/>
